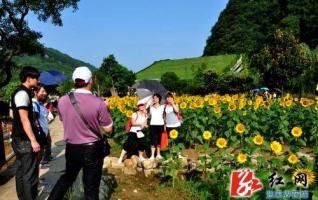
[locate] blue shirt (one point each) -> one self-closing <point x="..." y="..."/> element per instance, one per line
<point x="42" y="113"/>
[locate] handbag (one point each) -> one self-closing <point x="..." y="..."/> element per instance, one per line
<point x="103" y="139"/>
<point x="164" y="140"/>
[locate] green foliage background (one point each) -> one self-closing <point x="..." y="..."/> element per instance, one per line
<point x="245" y="24"/>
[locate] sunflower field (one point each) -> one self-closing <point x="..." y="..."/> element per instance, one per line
<point x="236" y="131"/>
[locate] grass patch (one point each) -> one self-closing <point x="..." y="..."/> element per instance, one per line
<point x="184" y="68"/>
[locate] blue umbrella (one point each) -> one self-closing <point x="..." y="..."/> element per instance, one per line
<point x="52" y="77"/>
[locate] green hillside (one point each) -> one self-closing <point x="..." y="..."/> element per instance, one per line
<point x="184" y="68"/>
<point x="52" y="59"/>
<point x="244" y="24"/>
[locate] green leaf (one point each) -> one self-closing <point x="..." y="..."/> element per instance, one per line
<point x="315" y="149"/>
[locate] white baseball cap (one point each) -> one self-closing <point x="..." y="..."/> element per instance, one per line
<point x="82" y="73"/>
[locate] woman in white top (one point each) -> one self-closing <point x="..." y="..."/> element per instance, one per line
<point x="134" y="144"/>
<point x="156" y="125"/>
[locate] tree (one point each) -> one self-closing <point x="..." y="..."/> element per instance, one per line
<point x="116" y="76"/>
<point x="244" y="24"/>
<point x="16" y="37"/>
<point x="210" y="81"/>
<point x="170" y="81"/>
<point x="282" y="61"/>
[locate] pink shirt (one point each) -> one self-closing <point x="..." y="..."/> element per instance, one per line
<point x="94" y="110"/>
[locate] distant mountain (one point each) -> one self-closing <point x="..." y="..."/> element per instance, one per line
<point x="52" y="59"/>
<point x="245" y="24"/>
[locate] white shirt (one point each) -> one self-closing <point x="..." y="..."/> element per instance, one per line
<point x="141" y="119"/>
<point x="156" y="115"/>
<point x="21" y="99"/>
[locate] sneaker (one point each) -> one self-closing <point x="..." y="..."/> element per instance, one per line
<point x="142" y="159"/>
<point x="119" y="162"/>
<point x="151" y="158"/>
<point x="159" y="157"/>
<point x="44" y="165"/>
<point x="51" y="158"/>
<point x="180" y="156"/>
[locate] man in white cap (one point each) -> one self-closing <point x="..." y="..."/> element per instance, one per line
<point x="83" y="145"/>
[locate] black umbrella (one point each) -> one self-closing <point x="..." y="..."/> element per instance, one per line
<point x="277" y="90"/>
<point x="153" y="86"/>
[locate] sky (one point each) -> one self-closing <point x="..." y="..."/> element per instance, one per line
<point x="137" y="32"/>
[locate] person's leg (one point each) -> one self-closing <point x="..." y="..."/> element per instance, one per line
<point x="73" y="166"/>
<point x="92" y="171"/>
<point x="47" y="150"/>
<point x="153" y="141"/>
<point x="121" y="157"/>
<point x="159" y="133"/>
<point x="19" y="171"/>
<point x="141" y="148"/>
<point x="129" y="147"/>
<point x="27" y="174"/>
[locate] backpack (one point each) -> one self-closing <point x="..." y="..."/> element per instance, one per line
<point x="129" y="124"/>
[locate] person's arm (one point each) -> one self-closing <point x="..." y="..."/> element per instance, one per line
<point x="107" y="129"/>
<point x="175" y="108"/>
<point x="105" y="120"/>
<point x="28" y="129"/>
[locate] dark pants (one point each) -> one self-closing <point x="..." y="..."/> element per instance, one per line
<point x="156" y="131"/>
<point x="134" y="144"/>
<point x="47" y="149"/>
<point x="78" y="156"/>
<point x="27" y="174"/>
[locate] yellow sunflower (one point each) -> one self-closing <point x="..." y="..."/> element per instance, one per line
<point x="306" y="102"/>
<point x="244" y="113"/>
<point x="242" y="104"/>
<point x="296" y="131"/>
<point x="235" y="97"/>
<point x="173" y="134"/>
<point x="212" y="102"/>
<point x="183" y="105"/>
<point x="129" y="113"/>
<point x="256" y="106"/>
<point x="207" y="135"/>
<point x="258" y="140"/>
<point x="276" y="147"/>
<point x="309" y="173"/>
<point x="232" y="106"/>
<point x="217" y="109"/>
<point x="221" y="143"/>
<point x="266" y="104"/>
<point x="241" y="158"/>
<point x="240" y="128"/>
<point x="122" y="109"/>
<point x="289" y="103"/>
<point x="250" y="102"/>
<point x="292" y="159"/>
